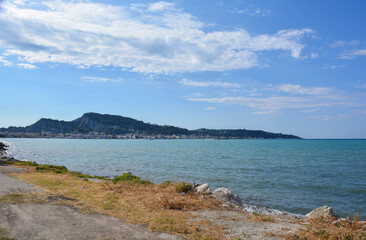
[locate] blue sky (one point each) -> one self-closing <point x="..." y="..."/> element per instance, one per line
<point x="294" y="67"/>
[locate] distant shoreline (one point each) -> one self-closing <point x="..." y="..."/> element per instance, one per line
<point x="96" y="125"/>
<point x="212" y="138"/>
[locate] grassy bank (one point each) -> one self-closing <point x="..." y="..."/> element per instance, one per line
<point x="161" y="206"/>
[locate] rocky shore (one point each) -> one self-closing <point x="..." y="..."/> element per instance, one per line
<point x="223" y="194"/>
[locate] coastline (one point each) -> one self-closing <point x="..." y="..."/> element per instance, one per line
<point x="245" y="207"/>
<point x="239" y="205"/>
<point x="209" y="209"/>
<point x="169" y="160"/>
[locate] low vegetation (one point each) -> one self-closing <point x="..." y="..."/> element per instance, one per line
<point x="183" y="187"/>
<point x="128" y="177"/>
<point x="19" y="198"/>
<point x="3" y="148"/>
<point x="57" y="169"/>
<point x="261" y="217"/>
<point x="4" y="234"/>
<point x="163" y="207"/>
<point x="328" y="228"/>
<point x="160" y="206"/>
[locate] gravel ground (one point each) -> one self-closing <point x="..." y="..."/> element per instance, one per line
<point x="11" y="185"/>
<point x="238" y="224"/>
<point x="47" y="221"/>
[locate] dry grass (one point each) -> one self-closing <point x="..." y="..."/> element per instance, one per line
<point x="324" y="229"/>
<point x="261" y="217"/>
<point x="19" y="198"/>
<point x="4" y="234"/>
<point x="158" y="205"/>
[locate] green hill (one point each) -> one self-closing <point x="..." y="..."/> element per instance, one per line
<point x="115" y="125"/>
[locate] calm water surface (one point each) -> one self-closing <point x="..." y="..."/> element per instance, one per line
<point x="291" y="175"/>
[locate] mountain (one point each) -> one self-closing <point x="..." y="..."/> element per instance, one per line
<point x="118" y="125"/>
<point x="112" y="124"/>
<point x="50" y="125"/>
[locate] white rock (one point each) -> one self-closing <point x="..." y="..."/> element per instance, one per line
<point x="226" y="195"/>
<point x="325" y="212"/>
<point x="204" y="188"/>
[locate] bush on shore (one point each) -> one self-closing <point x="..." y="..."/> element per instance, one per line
<point x="3" y="148"/>
<point x="127" y="177"/>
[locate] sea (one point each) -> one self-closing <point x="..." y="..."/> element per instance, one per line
<point x="294" y="176"/>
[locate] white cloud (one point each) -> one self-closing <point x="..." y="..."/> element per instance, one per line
<point x="159" y="38"/>
<point x="353" y="54"/>
<point x="252" y="12"/>
<point x="328" y="66"/>
<point x="4" y="62"/>
<point x="310" y="56"/>
<point x="321" y="117"/>
<point x="310" y="110"/>
<point x="210" y="108"/>
<point x="260" y="12"/>
<point x="27" y="66"/>
<point x="161" y="6"/>
<point x="20" y="2"/>
<point x="197" y="94"/>
<point x="264" y="112"/>
<point x="100" y="79"/>
<point x="277" y="103"/>
<point x="238" y="11"/>
<point x="344" y="43"/>
<point x="361" y="86"/>
<point x="209" y="84"/>
<point x="271" y="99"/>
<point x="298" y="89"/>
<point x="361" y="52"/>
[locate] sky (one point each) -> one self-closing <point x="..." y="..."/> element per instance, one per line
<point x="295" y="67"/>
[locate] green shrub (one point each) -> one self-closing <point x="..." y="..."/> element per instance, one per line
<point x="82" y="175"/>
<point x="183" y="187"/>
<point x="165" y="183"/>
<point x="28" y="163"/>
<point x="56" y="169"/>
<point x="126" y="177"/>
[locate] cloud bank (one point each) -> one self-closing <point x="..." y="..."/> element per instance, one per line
<point x="147" y="38"/>
<point x="303" y="99"/>
<point x="100" y="79"/>
<point x="209" y="84"/>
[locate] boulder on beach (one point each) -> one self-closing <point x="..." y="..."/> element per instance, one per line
<point x="226" y="195"/>
<point x="204" y="188"/>
<point x="324" y="212"/>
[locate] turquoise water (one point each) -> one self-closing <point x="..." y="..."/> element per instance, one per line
<point x="291" y="175"/>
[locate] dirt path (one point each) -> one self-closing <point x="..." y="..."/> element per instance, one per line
<point x="50" y="221"/>
<point x="47" y="221"/>
<point x="9" y="184"/>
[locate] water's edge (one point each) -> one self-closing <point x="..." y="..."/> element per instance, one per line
<point x="271" y="176"/>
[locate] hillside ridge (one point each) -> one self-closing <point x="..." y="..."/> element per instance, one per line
<point x="114" y="125"/>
